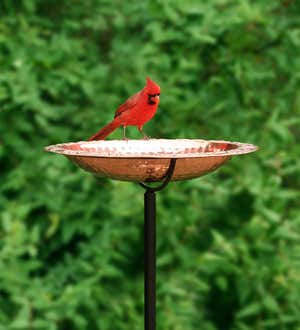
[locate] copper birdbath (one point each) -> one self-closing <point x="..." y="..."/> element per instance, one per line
<point x="148" y="160"/>
<point x="154" y="160"/>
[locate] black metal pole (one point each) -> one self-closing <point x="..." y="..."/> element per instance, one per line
<point x="150" y="260"/>
<point x="150" y="248"/>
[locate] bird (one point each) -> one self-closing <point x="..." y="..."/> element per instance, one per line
<point x="137" y="110"/>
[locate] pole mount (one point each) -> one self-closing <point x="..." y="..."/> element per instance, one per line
<point x="167" y="178"/>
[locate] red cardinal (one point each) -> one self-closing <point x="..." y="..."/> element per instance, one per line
<point x="136" y="111"/>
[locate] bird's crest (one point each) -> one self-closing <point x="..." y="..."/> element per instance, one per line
<point x="152" y="87"/>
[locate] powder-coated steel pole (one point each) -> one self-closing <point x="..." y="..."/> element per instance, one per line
<point x="150" y="248"/>
<point x="150" y="260"/>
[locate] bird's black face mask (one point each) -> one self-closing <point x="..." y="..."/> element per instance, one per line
<point x="152" y="98"/>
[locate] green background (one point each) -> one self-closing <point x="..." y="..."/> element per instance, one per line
<point x="71" y="247"/>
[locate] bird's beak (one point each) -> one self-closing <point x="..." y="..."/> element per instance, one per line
<point x="156" y="97"/>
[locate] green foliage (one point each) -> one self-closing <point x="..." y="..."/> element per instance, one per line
<point x="71" y="253"/>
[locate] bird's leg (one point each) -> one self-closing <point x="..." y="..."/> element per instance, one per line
<point x="145" y="137"/>
<point x="124" y="134"/>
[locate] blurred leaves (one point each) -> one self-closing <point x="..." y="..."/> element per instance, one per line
<point x="71" y="247"/>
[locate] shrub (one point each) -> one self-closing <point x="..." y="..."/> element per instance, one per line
<point x="71" y="252"/>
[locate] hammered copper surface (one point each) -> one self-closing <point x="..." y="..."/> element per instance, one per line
<point x="148" y="160"/>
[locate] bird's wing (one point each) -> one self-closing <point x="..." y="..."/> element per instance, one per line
<point x="128" y="104"/>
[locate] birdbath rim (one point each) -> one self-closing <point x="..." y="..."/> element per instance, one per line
<point x="152" y="148"/>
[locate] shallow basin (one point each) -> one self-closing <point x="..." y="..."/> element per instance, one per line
<point x="149" y="160"/>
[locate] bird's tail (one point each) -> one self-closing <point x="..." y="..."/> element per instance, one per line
<point x="105" y="131"/>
